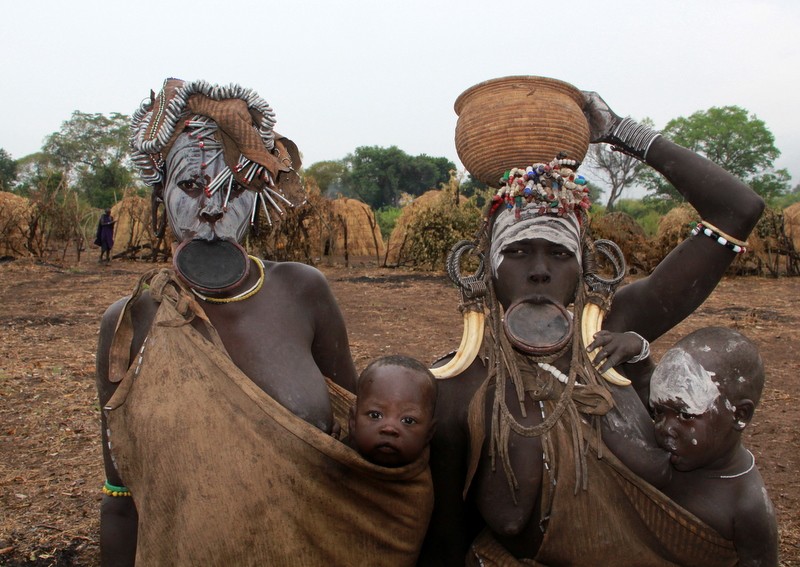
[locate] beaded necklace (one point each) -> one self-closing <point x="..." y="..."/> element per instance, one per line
<point x="242" y="296"/>
<point x="737" y="475"/>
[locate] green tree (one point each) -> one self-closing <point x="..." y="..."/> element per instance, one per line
<point x="92" y="151"/>
<point x="615" y="170"/>
<point x="36" y="173"/>
<point x="329" y="176"/>
<point x="731" y="138"/>
<point x="8" y="170"/>
<point x="789" y="198"/>
<point x="386" y="218"/>
<point x="473" y="188"/>
<point x="378" y="175"/>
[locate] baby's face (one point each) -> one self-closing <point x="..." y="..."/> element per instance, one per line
<point x="393" y="417"/>
<point x="693" y="418"/>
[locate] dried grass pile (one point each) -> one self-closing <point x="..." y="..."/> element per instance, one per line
<point x="355" y="230"/>
<point x="674" y="228"/>
<point x="791" y="225"/>
<point x="429" y="226"/>
<point x="14" y="215"/>
<point x="133" y="232"/>
<point x="629" y="236"/>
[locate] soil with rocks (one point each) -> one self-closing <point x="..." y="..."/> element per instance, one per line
<point x="50" y="461"/>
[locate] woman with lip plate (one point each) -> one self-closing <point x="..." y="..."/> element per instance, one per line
<point x="519" y="470"/>
<point x="222" y="377"/>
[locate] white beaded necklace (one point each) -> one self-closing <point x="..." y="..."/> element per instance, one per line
<point x="752" y="465"/>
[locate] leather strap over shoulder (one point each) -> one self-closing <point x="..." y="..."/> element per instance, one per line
<point x="119" y="355"/>
<point x="163" y="285"/>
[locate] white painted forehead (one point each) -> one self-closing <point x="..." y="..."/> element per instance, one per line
<point x="679" y="377"/>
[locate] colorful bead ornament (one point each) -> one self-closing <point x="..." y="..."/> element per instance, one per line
<point x="707" y="229"/>
<point x="115" y="491"/>
<point x="554" y="187"/>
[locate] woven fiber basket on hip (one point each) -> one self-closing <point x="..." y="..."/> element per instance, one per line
<point x="517" y="121"/>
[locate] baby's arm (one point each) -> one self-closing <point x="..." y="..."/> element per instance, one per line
<point x="630" y="349"/>
<point x="617" y="348"/>
<point x="755" y="529"/>
<point x="627" y="429"/>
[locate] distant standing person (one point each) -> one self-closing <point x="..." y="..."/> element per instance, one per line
<point x="105" y="235"/>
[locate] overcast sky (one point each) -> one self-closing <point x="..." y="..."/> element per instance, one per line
<point x="344" y="74"/>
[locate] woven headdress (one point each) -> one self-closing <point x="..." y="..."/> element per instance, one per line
<point x="238" y="119"/>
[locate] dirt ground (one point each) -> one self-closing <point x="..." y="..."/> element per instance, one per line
<point x="50" y="464"/>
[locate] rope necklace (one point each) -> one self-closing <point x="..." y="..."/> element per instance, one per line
<point x="752" y="464"/>
<point x="242" y="296"/>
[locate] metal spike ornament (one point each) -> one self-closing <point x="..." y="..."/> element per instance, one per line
<point x="160" y="118"/>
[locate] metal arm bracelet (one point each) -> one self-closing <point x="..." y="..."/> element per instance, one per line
<point x="632" y="138"/>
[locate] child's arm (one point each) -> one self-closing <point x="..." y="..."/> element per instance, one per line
<point x="628" y="429"/>
<point x="628" y="349"/>
<point x="617" y="348"/>
<point x="755" y="529"/>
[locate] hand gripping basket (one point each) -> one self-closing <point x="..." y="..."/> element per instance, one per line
<point x="518" y="121"/>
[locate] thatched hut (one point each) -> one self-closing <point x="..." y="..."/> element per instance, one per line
<point x="674" y="228"/>
<point x="355" y="231"/>
<point x="133" y="233"/>
<point x="791" y="225"/>
<point x="14" y="215"/>
<point x="629" y="236"/>
<point x="320" y="228"/>
<point x="398" y="245"/>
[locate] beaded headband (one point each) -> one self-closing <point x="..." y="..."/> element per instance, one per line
<point x="541" y="201"/>
<point x="553" y="188"/>
<point x="231" y="122"/>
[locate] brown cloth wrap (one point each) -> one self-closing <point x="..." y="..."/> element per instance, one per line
<point x="221" y="474"/>
<point x="619" y="520"/>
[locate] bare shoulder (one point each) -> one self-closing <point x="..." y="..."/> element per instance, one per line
<point x="755" y="525"/>
<point x="456" y="393"/>
<point x="753" y="498"/>
<point x="296" y="274"/>
<point x="111" y="314"/>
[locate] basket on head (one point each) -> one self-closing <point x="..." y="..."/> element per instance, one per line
<point x="518" y="121"/>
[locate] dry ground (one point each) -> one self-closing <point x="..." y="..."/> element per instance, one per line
<point x="50" y="464"/>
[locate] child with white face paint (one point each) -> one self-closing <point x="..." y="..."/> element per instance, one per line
<point x="703" y="394"/>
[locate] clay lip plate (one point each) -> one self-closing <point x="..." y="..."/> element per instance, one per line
<point x="211" y="266"/>
<point x="538" y="326"/>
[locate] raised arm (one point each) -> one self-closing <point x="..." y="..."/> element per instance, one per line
<point x="686" y="277"/>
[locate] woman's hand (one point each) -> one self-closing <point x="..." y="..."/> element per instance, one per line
<point x="602" y="120"/>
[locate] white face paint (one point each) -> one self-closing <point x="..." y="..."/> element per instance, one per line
<point x="680" y="377"/>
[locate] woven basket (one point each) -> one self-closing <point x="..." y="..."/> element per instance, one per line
<point x="518" y="121"/>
